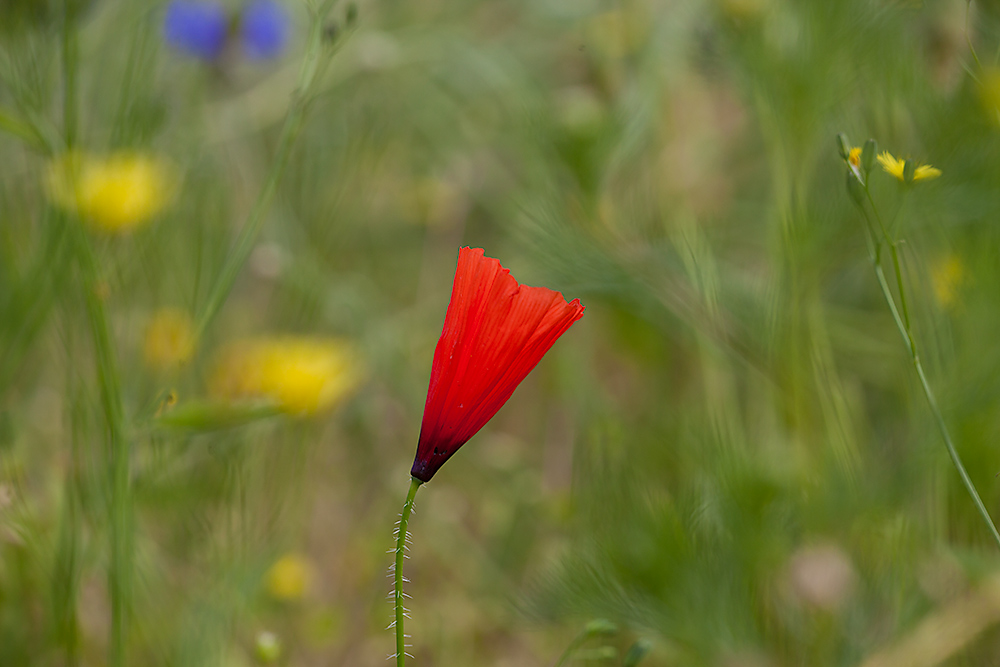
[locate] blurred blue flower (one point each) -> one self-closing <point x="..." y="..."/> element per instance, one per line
<point x="264" y="29"/>
<point x="196" y="28"/>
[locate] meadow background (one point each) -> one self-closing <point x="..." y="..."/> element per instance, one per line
<point x="729" y="457"/>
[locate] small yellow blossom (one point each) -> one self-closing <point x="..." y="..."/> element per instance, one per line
<point x="116" y="193"/>
<point x="289" y="578"/>
<point x="947" y="276"/>
<point x="301" y="375"/>
<point x="897" y="168"/>
<point x="169" y="339"/>
<point x="854" y="157"/>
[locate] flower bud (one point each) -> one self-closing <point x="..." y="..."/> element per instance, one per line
<point x="868" y="155"/>
<point x="600" y="626"/>
<point x="843" y="146"/>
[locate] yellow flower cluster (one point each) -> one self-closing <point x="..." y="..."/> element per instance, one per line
<point x="115" y="193"/>
<point x="300" y="375"/>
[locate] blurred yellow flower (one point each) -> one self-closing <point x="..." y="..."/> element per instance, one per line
<point x="947" y="276"/>
<point x="289" y="578"/>
<point x="897" y="168"/>
<point x="301" y="375"/>
<point x="169" y="339"/>
<point x="116" y="193"/>
<point x="854" y="157"/>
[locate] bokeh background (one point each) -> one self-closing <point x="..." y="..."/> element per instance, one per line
<point x="729" y="457"/>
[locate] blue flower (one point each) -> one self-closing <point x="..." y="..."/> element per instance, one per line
<point x="196" y="28"/>
<point x="264" y="30"/>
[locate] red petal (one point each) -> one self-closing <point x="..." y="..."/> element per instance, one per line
<point x="494" y="333"/>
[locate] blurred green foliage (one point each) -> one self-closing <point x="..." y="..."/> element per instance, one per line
<point x="729" y="457"/>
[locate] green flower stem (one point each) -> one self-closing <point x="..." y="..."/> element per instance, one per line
<point x="397" y="570"/>
<point x="311" y="66"/>
<point x="903" y="325"/>
<point x="120" y="570"/>
<point x="891" y="242"/>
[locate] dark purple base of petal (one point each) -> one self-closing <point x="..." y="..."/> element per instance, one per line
<point x="424" y="468"/>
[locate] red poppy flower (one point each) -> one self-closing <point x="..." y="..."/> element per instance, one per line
<point x="495" y="332"/>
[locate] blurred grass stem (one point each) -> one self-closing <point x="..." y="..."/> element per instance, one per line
<point x="119" y="570"/>
<point x="891" y="242"/>
<point x="903" y="325"/>
<point x="69" y="61"/>
<point x="119" y="573"/>
<point x="315" y="55"/>
<point x="397" y="571"/>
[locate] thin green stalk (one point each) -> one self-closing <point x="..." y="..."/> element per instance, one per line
<point x="69" y="61"/>
<point x="120" y="570"/>
<point x="968" y="39"/>
<point x="895" y="264"/>
<point x="289" y="132"/>
<point x="397" y="570"/>
<point x="66" y="575"/>
<point x="902" y="324"/>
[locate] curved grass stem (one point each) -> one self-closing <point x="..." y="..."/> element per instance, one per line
<point x="316" y="56"/>
<point x="903" y="325"/>
<point x="120" y="568"/>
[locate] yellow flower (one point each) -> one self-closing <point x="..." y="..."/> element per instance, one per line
<point x="289" y="578"/>
<point x="300" y="375"/>
<point x="854" y="157"/>
<point x="116" y="193"/>
<point x="947" y="276"/>
<point x="169" y="339"/>
<point x="897" y="168"/>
